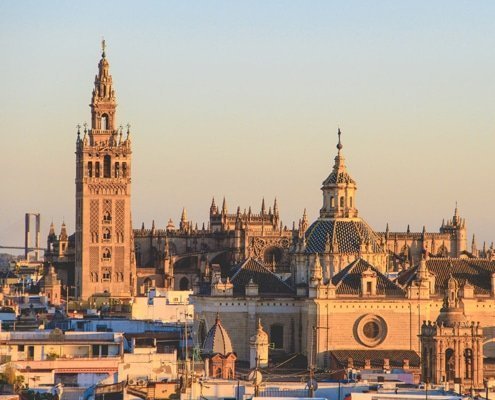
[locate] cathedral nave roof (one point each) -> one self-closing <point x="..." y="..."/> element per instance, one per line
<point x="268" y="283"/>
<point x="477" y="272"/>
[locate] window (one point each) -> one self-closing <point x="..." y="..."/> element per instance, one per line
<point x="468" y="367"/>
<point x="342" y="201"/>
<point x="104" y="122"/>
<point x="107" y="166"/>
<point x="106" y="276"/>
<point x="106" y="234"/>
<point x="124" y="169"/>
<point x="368" y="287"/>
<point x="184" y="284"/>
<point x="107" y="217"/>
<point x="350" y="201"/>
<point x="277" y="336"/>
<point x="106" y="254"/>
<point x="90" y="169"/>
<point x="449" y="365"/>
<point x="97" y="169"/>
<point x="117" y="170"/>
<point x="332" y="201"/>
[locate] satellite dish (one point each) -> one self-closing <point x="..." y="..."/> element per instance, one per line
<point x="256" y="377"/>
<point x="312" y="384"/>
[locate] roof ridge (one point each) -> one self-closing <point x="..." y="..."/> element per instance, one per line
<point x="263" y="267"/>
<point x="349" y="267"/>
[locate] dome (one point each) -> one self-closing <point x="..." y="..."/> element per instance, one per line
<point x="451" y="316"/>
<point x="344" y="235"/>
<point x="217" y="340"/>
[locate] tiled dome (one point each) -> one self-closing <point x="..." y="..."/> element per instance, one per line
<point x="345" y="235"/>
<point x="217" y="340"/>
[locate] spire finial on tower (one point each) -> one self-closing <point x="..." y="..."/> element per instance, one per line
<point x="103" y="47"/>
<point x="339" y="144"/>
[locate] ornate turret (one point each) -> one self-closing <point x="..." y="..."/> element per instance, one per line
<point x="339" y="190"/>
<point x="452" y="311"/>
<point x="258" y="343"/>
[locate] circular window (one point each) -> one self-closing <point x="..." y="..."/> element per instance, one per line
<point x="370" y="330"/>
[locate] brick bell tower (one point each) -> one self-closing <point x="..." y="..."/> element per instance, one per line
<point x="104" y="243"/>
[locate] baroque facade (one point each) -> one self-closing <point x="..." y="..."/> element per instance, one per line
<point x="351" y="299"/>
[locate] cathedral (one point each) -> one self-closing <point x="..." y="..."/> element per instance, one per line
<point x="334" y="290"/>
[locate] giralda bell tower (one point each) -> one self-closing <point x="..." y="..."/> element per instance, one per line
<point x="104" y="243"/>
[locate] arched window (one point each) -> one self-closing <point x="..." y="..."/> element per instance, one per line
<point x="184" y="284"/>
<point x="106" y="234"/>
<point x="449" y="365"/>
<point x="107" y="217"/>
<point x="97" y="169"/>
<point x="468" y="360"/>
<point x="124" y="169"/>
<point x="106" y="254"/>
<point x="332" y="201"/>
<point x="117" y="170"/>
<point x="342" y="200"/>
<point x="90" y="169"/>
<point x="107" y="166"/>
<point x="218" y="374"/>
<point x="104" y="122"/>
<point x="106" y="276"/>
<point x="277" y="336"/>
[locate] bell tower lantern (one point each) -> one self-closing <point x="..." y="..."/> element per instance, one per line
<point x="339" y="190"/>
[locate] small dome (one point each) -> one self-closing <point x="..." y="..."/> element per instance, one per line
<point x="451" y="317"/>
<point x="217" y="340"/>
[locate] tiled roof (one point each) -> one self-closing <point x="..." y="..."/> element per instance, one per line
<point x="217" y="340"/>
<point x="348" y="281"/>
<point x="376" y="357"/>
<point x="475" y="271"/>
<point x="268" y="283"/>
<point x="347" y="234"/>
<point x="338" y="177"/>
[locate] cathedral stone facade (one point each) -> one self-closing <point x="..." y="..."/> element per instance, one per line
<point x="104" y="257"/>
<point x="334" y="290"/>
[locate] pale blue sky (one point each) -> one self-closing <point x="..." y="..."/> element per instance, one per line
<point x="243" y="99"/>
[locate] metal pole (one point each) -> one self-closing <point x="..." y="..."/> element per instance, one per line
<point x="26" y="237"/>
